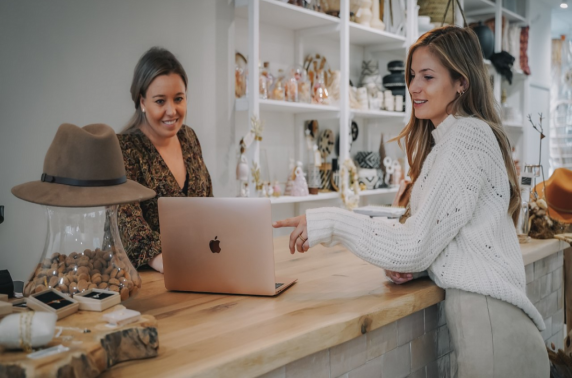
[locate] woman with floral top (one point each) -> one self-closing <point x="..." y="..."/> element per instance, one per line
<point x="159" y="152"/>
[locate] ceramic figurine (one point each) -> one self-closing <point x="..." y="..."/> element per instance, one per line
<point x="375" y="17"/>
<point x="269" y="189"/>
<point x="363" y="15"/>
<point x="276" y="189"/>
<point x="299" y="186"/>
<point x="389" y="170"/>
<point x="397" y="173"/>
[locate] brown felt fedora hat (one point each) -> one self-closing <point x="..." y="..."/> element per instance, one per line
<point x="558" y="195"/>
<point x="83" y="168"/>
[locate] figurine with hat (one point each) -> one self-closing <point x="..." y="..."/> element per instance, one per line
<point x="82" y="183"/>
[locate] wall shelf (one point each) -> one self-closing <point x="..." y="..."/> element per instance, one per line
<point x="328" y="196"/>
<point x="310" y="198"/>
<point x="286" y="15"/>
<point x="288" y="107"/>
<point x="377" y="114"/>
<point x="366" y="36"/>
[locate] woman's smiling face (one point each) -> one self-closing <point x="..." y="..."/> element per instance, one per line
<point x="165" y="106"/>
<point x="431" y="86"/>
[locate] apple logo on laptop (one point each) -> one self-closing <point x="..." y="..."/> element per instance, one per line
<point x="214" y="245"/>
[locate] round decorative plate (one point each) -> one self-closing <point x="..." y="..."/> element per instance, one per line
<point x="326" y="142"/>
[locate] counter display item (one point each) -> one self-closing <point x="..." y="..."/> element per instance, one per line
<point x="19" y="305"/>
<point x="53" y="301"/>
<point x="5" y="308"/>
<point x="104" y="267"/>
<point x="27" y="330"/>
<point x="83" y="182"/>
<point x="97" y="299"/>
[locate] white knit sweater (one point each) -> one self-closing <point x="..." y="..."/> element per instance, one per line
<point x="459" y="229"/>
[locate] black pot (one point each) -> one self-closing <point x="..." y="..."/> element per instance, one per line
<point x="394" y="80"/>
<point x="486" y="39"/>
<point x="396" y="66"/>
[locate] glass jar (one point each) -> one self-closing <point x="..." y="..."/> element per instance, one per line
<point x="320" y="93"/>
<point x="83" y="251"/>
<point x="278" y="91"/>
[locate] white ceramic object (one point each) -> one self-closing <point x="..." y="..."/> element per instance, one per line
<point x="363" y="15"/>
<point x="368" y="176"/>
<point x="43" y="326"/>
<point x="375" y="22"/>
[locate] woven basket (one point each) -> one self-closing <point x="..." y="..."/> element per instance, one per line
<point x="436" y="9"/>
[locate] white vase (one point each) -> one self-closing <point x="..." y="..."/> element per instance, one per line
<point x="375" y="20"/>
<point x="364" y="14"/>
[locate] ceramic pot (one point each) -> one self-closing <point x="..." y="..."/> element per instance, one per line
<point x="486" y="39"/>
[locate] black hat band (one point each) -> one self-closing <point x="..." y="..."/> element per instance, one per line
<point x="73" y="182"/>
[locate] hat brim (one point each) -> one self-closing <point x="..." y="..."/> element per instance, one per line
<point x="559" y="216"/>
<point x="51" y="194"/>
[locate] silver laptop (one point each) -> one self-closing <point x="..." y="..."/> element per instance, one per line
<point x="219" y="245"/>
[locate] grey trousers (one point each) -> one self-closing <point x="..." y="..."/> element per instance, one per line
<point x="493" y="338"/>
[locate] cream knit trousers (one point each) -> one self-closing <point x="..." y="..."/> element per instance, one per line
<point x="493" y="338"/>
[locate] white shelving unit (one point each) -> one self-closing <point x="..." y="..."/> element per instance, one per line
<point x="306" y="23"/>
<point x="519" y="91"/>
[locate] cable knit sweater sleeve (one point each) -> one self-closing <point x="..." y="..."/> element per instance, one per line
<point x="449" y="193"/>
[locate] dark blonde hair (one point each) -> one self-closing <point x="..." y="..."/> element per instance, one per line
<point x="155" y="62"/>
<point x="458" y="49"/>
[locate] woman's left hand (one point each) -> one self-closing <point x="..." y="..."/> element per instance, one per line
<point x="298" y="237"/>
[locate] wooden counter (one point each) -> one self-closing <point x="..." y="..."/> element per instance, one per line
<point x="537" y="249"/>
<point x="337" y="298"/>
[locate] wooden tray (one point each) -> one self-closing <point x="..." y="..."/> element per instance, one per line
<point x="91" y="353"/>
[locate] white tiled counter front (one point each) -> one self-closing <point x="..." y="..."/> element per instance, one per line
<point x="418" y="346"/>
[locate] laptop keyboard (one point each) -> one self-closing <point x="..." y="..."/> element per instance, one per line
<point x="278" y="285"/>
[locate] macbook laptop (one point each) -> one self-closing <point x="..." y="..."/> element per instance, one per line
<point x="219" y="245"/>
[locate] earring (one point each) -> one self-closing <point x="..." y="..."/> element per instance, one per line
<point x="143" y="110"/>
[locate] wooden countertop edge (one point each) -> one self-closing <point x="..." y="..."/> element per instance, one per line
<point x="538" y="249"/>
<point x="305" y="344"/>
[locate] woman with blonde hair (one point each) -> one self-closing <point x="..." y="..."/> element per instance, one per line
<point x="464" y="206"/>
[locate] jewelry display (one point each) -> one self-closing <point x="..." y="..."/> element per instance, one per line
<point x="27" y="330"/>
<point x="53" y="301"/>
<point x="97" y="300"/>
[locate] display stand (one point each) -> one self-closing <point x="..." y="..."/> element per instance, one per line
<point x="90" y="353"/>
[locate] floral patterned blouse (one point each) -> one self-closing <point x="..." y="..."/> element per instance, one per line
<point x="139" y="222"/>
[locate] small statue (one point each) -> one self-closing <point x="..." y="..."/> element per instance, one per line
<point x="290" y="181"/>
<point x="276" y="189"/>
<point x="299" y="186"/>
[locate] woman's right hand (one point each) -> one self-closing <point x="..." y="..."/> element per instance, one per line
<point x="398" y="278"/>
<point x="157" y="263"/>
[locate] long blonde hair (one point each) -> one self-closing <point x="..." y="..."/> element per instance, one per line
<point x="458" y="49"/>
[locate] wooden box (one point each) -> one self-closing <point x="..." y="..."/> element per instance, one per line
<point x="19" y="305"/>
<point x="52" y="300"/>
<point x="97" y="299"/>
